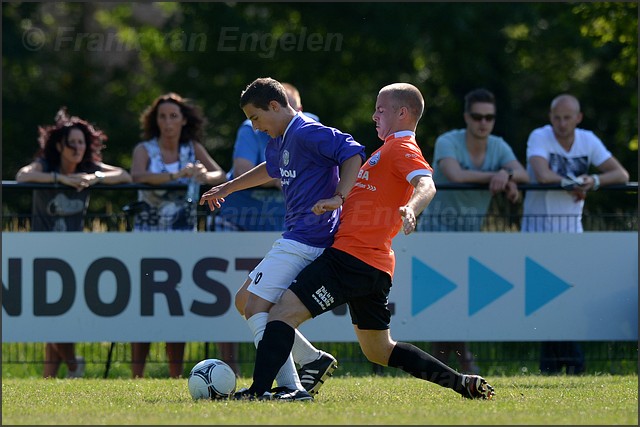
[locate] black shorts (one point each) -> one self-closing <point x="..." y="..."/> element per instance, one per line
<point x="335" y="278"/>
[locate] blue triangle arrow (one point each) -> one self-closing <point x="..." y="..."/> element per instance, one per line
<point x="485" y="286"/>
<point x="427" y="286"/>
<point x="541" y="286"/>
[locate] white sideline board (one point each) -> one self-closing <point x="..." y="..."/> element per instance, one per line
<point x="122" y="287"/>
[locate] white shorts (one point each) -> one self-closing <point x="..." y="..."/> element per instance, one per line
<point x="279" y="267"/>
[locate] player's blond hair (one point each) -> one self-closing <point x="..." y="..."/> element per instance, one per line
<point x="406" y="95"/>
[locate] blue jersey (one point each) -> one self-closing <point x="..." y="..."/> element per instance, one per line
<point x="306" y="159"/>
<point x="253" y="209"/>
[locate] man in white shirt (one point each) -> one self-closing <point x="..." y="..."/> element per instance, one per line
<point x="561" y="153"/>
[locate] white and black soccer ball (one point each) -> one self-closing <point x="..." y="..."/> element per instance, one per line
<point x="211" y="379"/>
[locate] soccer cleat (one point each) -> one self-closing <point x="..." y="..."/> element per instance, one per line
<point x="79" y="371"/>
<point x="476" y="387"/>
<point x="246" y="394"/>
<point x="290" y="394"/>
<point x="314" y="374"/>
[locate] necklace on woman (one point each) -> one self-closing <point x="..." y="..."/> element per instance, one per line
<point x="162" y="162"/>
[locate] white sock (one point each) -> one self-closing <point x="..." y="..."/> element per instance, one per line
<point x="257" y="323"/>
<point x="287" y="375"/>
<point x="303" y="351"/>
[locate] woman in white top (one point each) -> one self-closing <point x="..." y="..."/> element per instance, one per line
<point x="171" y="151"/>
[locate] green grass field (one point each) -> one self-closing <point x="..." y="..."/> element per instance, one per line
<point x="384" y="400"/>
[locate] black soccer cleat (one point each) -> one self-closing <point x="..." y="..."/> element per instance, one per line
<point x="476" y="387"/>
<point x="246" y="394"/>
<point x="290" y="394"/>
<point x="314" y="374"/>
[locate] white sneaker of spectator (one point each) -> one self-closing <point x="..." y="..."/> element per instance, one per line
<point x="79" y="371"/>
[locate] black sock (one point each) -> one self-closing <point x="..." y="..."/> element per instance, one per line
<point x="422" y="365"/>
<point x="273" y="351"/>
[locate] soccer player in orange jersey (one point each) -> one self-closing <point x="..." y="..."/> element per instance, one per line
<point x="392" y="188"/>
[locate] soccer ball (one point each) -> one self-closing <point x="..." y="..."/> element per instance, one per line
<point x="211" y="379"/>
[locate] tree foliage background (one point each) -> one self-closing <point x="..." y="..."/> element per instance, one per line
<point x="107" y="61"/>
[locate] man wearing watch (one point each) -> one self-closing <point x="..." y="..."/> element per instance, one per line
<point x="100" y="176"/>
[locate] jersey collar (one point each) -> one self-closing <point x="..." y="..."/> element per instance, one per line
<point x="400" y="134"/>
<point x="293" y="119"/>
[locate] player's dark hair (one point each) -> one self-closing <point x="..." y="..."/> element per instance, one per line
<point x="478" y="95"/>
<point x="262" y="91"/>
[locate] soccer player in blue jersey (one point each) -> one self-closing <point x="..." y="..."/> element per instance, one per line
<point x="317" y="166"/>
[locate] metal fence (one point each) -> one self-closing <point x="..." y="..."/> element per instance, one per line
<point x="112" y="360"/>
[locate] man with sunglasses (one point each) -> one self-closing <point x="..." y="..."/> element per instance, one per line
<point x="470" y="155"/>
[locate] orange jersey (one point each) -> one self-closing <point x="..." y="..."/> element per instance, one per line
<point x="370" y="216"/>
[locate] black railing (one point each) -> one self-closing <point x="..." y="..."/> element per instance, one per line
<point x="7" y="184"/>
<point x="493" y="358"/>
<point x="501" y="217"/>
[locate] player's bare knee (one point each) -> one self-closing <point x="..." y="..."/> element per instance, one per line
<point x="255" y="305"/>
<point x="240" y="301"/>
<point x="241" y="297"/>
<point x="374" y="357"/>
<point x="377" y="347"/>
<point x="279" y="312"/>
<point x="250" y="310"/>
<point x="289" y="310"/>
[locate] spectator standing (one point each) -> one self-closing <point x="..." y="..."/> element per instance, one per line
<point x="70" y="158"/>
<point x="561" y="153"/>
<point x="171" y="152"/>
<point x="470" y="155"/>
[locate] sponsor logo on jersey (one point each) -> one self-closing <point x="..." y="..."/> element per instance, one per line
<point x="374" y="159"/>
<point x="287" y="173"/>
<point x="364" y="175"/>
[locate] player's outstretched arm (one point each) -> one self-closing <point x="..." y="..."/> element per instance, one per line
<point x="252" y="178"/>
<point x="214" y="197"/>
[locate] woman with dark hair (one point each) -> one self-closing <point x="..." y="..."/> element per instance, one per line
<point x="69" y="157"/>
<point x="171" y="152"/>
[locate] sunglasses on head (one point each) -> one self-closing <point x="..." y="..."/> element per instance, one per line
<point x="477" y="117"/>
